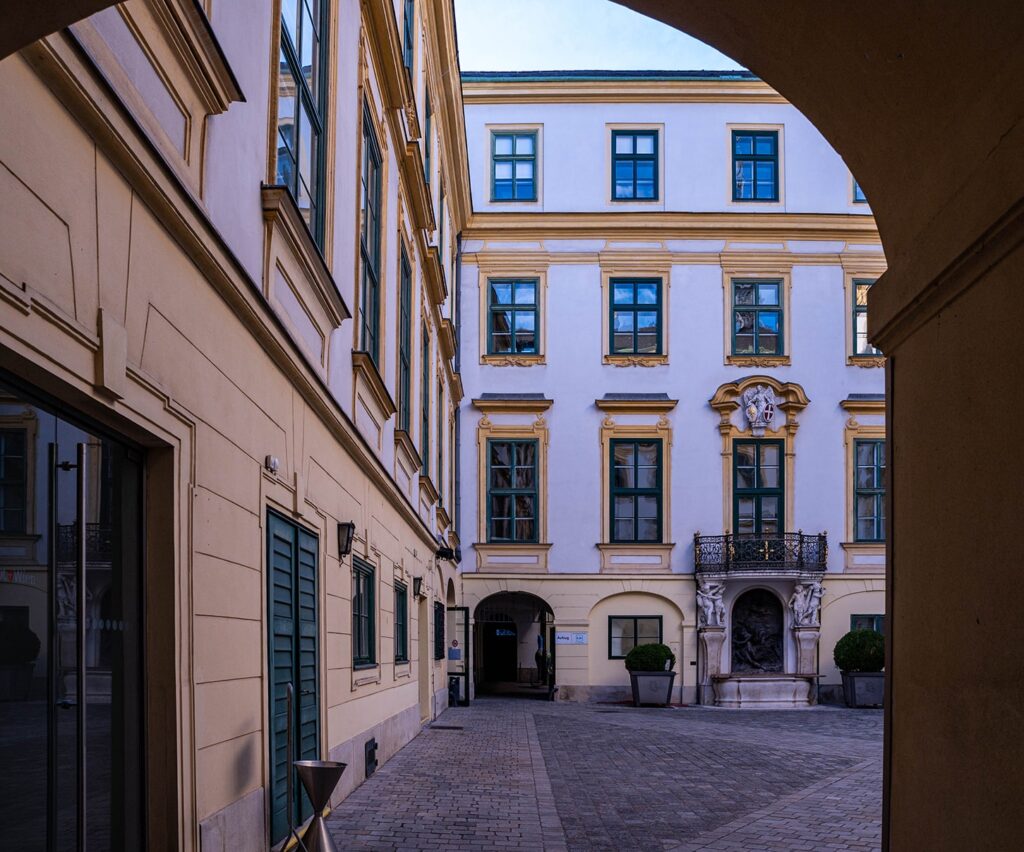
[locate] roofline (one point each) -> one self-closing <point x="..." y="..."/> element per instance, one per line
<point x="597" y="75"/>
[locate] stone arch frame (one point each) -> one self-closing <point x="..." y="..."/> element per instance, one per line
<point x="726" y="401"/>
<point x="739" y="592"/>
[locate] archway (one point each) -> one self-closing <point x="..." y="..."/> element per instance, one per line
<point x="514" y="646"/>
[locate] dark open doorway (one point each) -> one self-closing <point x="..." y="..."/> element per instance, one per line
<point x="514" y="646"/>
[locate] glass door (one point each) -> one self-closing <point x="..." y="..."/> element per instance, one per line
<point x="757" y="488"/>
<point x="70" y="634"/>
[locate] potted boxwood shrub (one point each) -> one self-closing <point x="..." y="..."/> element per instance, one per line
<point x="19" y="647"/>
<point x="860" y="656"/>
<point x="650" y="674"/>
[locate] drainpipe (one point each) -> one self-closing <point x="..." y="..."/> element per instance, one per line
<point x="700" y="700"/>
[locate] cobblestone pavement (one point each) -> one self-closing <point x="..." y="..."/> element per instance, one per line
<point x="520" y="774"/>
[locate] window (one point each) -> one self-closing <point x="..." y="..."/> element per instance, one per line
<point x="861" y="347"/>
<point x="636" y="490"/>
<point x="755" y="163"/>
<point x="513" y="166"/>
<point x="858" y="193"/>
<point x="426" y="138"/>
<point x="635" y="317"/>
<point x="634" y="165"/>
<point x="408" y="42"/>
<point x="869" y="490"/>
<point x="438" y="630"/>
<point x="363" y="630"/>
<point x="511" y="491"/>
<point x="625" y="632"/>
<point x="369" y="242"/>
<point x="401" y="623"/>
<point x="868" y="622"/>
<point x="301" y="107"/>
<point x="405" y="344"/>
<point x="13" y="481"/>
<point x="440" y="226"/>
<point x="757" y="487"/>
<point x="757" y="318"/>
<point x="425" y="403"/>
<point x="439" y="439"/>
<point x="512" y="317"/>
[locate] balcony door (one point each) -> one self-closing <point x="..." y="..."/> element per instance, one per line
<point x="758" y="487"/>
<point x="71" y="634"/>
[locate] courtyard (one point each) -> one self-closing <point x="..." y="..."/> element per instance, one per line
<point x="518" y="774"/>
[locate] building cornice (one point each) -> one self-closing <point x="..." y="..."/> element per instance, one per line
<point x="652" y="90"/>
<point x="854" y="228"/>
<point x="636" y="406"/>
<point x="514" y="406"/>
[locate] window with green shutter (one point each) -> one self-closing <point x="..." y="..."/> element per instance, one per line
<point x="370" y="241"/>
<point x="513" y="166"/>
<point x="405" y="344"/>
<point x="401" y="623"/>
<point x="634" y="165"/>
<point x="757" y="318"/>
<point x="364" y="636"/>
<point x="869" y="490"/>
<point x="755" y="162"/>
<point x="758" y="487"/>
<point x="636" y="490"/>
<point x="635" y="317"/>
<point x="439" y="616"/>
<point x="511" y="491"/>
<point x="512" y="316"/>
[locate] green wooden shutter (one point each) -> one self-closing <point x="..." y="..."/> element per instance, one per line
<point x="292" y="561"/>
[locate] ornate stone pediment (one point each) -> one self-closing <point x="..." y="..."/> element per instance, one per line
<point x="760" y="398"/>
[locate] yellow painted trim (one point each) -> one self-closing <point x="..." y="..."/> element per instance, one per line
<point x="853" y="270"/>
<point x="538" y="430"/>
<point x="620" y="91"/>
<point x="780" y="202"/>
<point x="742" y="272"/>
<point x="524" y="558"/>
<point x="626" y="265"/>
<point x="726" y="401"/>
<point x="636" y="406"/>
<point x="854" y="430"/>
<point x="508" y="268"/>
<point x="660" y="429"/>
<point x="538" y="165"/>
<point x="636" y="558"/>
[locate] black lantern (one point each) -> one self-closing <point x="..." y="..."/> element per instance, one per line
<point x="346" y="531"/>
<point x="417" y="586"/>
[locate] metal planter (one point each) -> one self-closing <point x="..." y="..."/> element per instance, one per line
<point x="864" y="689"/>
<point x="652" y="687"/>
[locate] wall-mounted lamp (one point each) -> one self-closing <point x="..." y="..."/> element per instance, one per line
<point x="417" y="587"/>
<point x="346" y="531"/>
<point x="445" y="552"/>
<point x="271" y="464"/>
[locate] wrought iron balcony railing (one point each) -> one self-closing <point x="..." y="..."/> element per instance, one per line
<point x="760" y="553"/>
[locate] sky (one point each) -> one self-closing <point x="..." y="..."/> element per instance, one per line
<point x="547" y="35"/>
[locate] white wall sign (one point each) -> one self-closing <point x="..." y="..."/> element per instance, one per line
<point x="571" y="638"/>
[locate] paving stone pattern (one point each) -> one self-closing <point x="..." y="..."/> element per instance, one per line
<point x="526" y="774"/>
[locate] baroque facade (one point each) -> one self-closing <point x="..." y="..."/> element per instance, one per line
<point x="227" y="410"/>
<point x="675" y="424"/>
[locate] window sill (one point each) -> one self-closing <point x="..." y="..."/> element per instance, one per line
<point x="758" y="360"/>
<point x="517" y="558"/>
<point x="863" y="556"/>
<point x="636" y="360"/>
<point x="512" y="360"/>
<point x="625" y="558"/>
<point x="865" y="360"/>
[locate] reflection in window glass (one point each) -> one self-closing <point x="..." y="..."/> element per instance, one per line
<point x="757" y="318"/>
<point x="635" y="165"/>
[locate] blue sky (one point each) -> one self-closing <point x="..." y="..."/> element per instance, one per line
<point x="533" y="35"/>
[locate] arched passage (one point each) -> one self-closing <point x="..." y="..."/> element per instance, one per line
<point x="514" y="645"/>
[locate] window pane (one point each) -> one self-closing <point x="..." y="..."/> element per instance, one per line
<point x="501" y="529"/>
<point x="647" y="529"/>
<point x="745" y="508"/>
<point x="624" y="477"/>
<point x="525" y="292"/>
<point x="647" y="293"/>
<point x="501" y="321"/>
<point x="525" y="506"/>
<point x="524" y="145"/>
<point x="744" y="477"/>
<point x="501" y="293"/>
<point x="767" y="294"/>
<point x="501" y="342"/>
<point x="623" y="144"/>
<point x="525" y="320"/>
<point x="647" y="477"/>
<point x="503" y="171"/>
<point x="743" y="294"/>
<point x="645" y="170"/>
<point x="765" y="145"/>
<point x="526" y="529"/>
<point x="502" y="191"/>
<point x="524" y="170"/>
<point x="501" y="506"/>
<point x="622" y="321"/>
<point x="743" y="144"/>
<point x="649" y="629"/>
<point x="647" y="507"/>
<point x="623" y="453"/>
<point x="647" y="344"/>
<point x="623" y="508"/>
<point x="647" y="322"/>
<point x="524" y="190"/>
<point x="622" y="294"/>
<point x="624" y="530"/>
<point x="644" y="189"/>
<point x="526" y="342"/>
<point x="745" y="455"/>
<point x="503" y="145"/>
<point x="645" y="144"/>
<point x="765" y="172"/>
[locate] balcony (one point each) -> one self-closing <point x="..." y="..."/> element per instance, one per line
<point x="769" y="554"/>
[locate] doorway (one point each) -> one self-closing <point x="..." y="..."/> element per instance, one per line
<point x="71" y="632"/>
<point x="423" y="663"/>
<point x="513" y="651"/>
